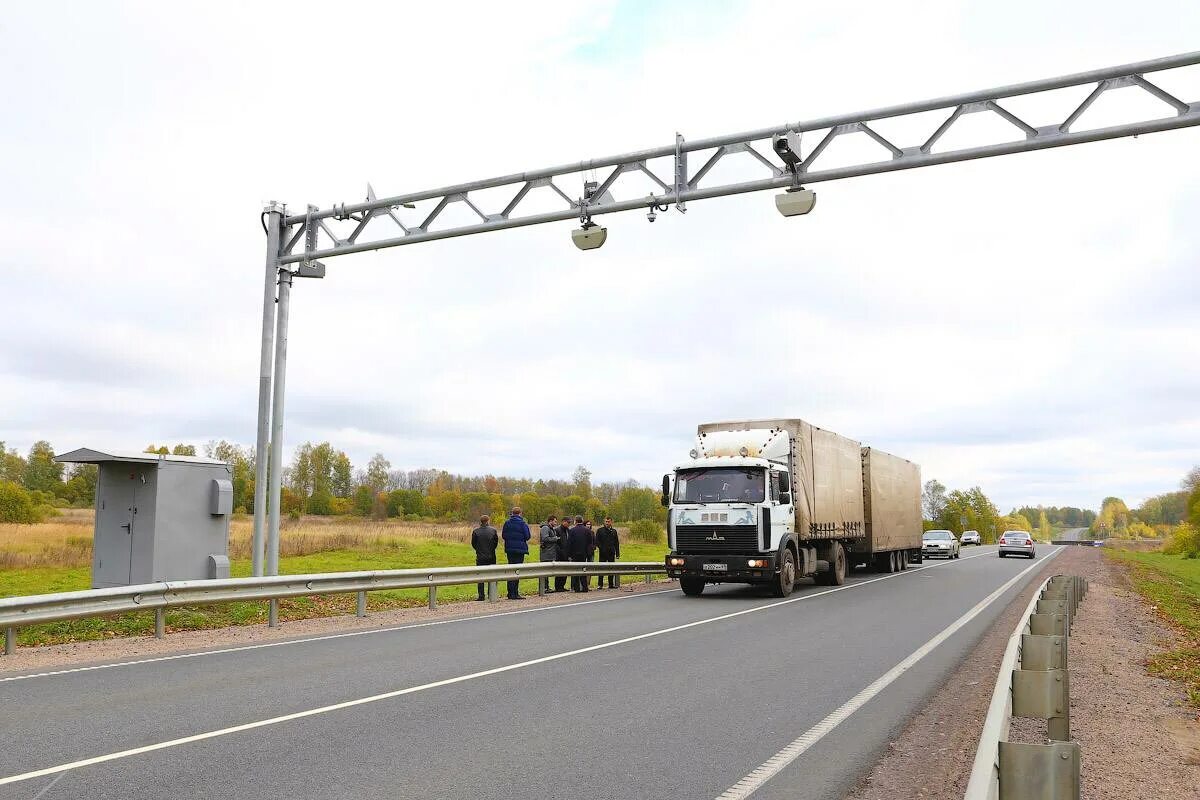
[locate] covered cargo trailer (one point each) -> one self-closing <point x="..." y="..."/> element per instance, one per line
<point x="826" y="476"/>
<point x="892" y="502"/>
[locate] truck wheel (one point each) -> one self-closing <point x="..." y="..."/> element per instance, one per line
<point x="692" y="587"/>
<point x="782" y="586"/>
<point x="836" y="574"/>
<point x="903" y="556"/>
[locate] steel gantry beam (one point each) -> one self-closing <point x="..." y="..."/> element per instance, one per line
<point x="296" y="241"/>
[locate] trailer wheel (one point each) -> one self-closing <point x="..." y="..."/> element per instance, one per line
<point x="836" y="574"/>
<point x="903" y="556"/>
<point x="782" y="586"/>
<point x="692" y="587"/>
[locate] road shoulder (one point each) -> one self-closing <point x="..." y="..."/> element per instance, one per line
<point x="1121" y="716"/>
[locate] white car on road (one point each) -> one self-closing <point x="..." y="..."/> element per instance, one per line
<point x="969" y="537"/>
<point x="939" y="543"/>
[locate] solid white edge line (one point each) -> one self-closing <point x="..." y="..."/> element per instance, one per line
<point x="199" y="737"/>
<point x="776" y="763"/>
<point x="328" y="636"/>
<point x="323" y="637"/>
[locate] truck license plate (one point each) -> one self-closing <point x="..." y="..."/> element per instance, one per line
<point x="717" y="567"/>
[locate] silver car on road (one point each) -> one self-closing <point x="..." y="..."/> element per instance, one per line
<point x="939" y="543"/>
<point x="969" y="537"/>
<point x="1016" y="543"/>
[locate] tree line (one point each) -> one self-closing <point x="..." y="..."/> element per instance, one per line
<point x="1174" y="516"/>
<point x="322" y="480"/>
<point x="971" y="510"/>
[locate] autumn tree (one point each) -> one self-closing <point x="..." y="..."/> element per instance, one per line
<point x="933" y="499"/>
<point x="42" y="472"/>
<point x="582" y="480"/>
<point x="377" y="473"/>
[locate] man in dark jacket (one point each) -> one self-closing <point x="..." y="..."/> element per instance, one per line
<point x="516" y="545"/>
<point x="609" y="546"/>
<point x="579" y="546"/>
<point x="484" y="540"/>
<point x="560" y="581"/>
<point x="548" y="544"/>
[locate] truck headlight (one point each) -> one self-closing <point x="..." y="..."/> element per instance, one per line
<point x="675" y="562"/>
<point x="758" y="562"/>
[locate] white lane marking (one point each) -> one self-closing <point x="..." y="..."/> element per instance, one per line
<point x="776" y="763"/>
<point x="262" y="723"/>
<point x="325" y="637"/>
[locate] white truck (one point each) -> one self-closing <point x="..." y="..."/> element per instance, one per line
<point x="772" y="501"/>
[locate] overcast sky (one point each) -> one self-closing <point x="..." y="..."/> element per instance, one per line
<point x="1026" y="323"/>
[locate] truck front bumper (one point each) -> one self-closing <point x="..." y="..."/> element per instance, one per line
<point x="717" y="568"/>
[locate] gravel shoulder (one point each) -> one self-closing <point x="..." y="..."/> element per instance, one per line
<point x="51" y="657"/>
<point x="1138" y="738"/>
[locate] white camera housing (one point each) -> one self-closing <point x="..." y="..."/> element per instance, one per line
<point x="589" y="237"/>
<point x="795" y="202"/>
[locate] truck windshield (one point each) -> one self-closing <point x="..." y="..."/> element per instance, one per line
<point x="719" y="485"/>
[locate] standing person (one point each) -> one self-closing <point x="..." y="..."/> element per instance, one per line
<point x="560" y="581"/>
<point x="548" y="544"/>
<point x="516" y="545"/>
<point x="579" y="545"/>
<point x="484" y="541"/>
<point x="609" y="545"/>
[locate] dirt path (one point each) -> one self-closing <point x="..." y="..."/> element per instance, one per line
<point x="1136" y="734"/>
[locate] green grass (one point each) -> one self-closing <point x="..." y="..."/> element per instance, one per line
<point x="399" y="554"/>
<point x="1172" y="583"/>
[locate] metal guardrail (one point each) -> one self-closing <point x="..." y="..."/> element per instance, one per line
<point x="1034" y="682"/>
<point x="16" y="612"/>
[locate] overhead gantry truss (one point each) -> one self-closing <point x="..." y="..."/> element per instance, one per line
<point x="378" y="223"/>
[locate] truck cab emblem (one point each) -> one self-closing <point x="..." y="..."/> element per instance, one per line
<point x="714" y="538"/>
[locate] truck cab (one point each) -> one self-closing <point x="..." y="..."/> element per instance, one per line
<point x="731" y="511"/>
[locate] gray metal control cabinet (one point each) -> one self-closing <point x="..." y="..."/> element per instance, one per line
<point x="158" y="518"/>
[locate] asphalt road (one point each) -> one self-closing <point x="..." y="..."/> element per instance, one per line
<point x="645" y="696"/>
<point x="1072" y="534"/>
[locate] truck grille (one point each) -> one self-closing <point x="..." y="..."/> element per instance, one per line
<point x="700" y="539"/>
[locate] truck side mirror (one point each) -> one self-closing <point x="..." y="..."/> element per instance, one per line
<point x="666" y="491"/>
<point x="785" y="498"/>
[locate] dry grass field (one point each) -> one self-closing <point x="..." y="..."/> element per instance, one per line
<point x="66" y="540"/>
<point x="56" y="556"/>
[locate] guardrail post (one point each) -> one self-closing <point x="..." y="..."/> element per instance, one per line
<point x="1039" y="771"/>
<point x="649" y="578"/>
<point x="1043" y="652"/>
<point x="493" y="591"/>
<point x="361" y="610"/>
<point x="160" y="623"/>
<point x="273" y="613"/>
<point x="542" y="584"/>
<point x="1044" y="694"/>
<point x="1048" y="624"/>
<point x="432" y="597"/>
<point x="10" y="641"/>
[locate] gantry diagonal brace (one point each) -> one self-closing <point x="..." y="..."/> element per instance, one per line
<point x="376" y="224"/>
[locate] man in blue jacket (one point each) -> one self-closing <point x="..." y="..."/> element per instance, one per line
<point x="516" y="545"/>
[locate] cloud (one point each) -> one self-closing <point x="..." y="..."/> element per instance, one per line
<point x="1024" y="323"/>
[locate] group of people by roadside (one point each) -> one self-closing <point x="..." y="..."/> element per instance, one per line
<point x="557" y="540"/>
